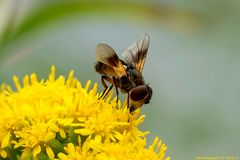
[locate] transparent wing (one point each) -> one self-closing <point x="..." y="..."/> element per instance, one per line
<point x="137" y="52"/>
<point x="106" y="55"/>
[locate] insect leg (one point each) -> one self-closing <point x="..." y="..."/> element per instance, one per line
<point x="114" y="81"/>
<point x="105" y="78"/>
<point x="107" y="91"/>
<point x="128" y="103"/>
<point x="131" y="108"/>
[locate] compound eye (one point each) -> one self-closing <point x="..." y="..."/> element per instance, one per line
<point x="139" y="93"/>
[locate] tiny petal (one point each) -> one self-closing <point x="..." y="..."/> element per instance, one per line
<point x="62" y="133"/>
<point x="62" y="156"/>
<point x="36" y="150"/>
<point x="5" y="140"/>
<point x="88" y="85"/>
<point x="33" y="78"/>
<point x="3" y="153"/>
<point x="16" y="82"/>
<point x="70" y="148"/>
<point x="84" y="131"/>
<point x="50" y="152"/>
<point x="65" y="121"/>
<point x="26" y="153"/>
<point x="52" y="74"/>
<point x="26" y="81"/>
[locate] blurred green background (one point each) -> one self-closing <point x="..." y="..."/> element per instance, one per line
<point x="193" y="61"/>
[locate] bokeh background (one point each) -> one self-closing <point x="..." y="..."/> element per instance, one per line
<point x="193" y="63"/>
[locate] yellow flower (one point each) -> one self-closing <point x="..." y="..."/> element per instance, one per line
<point x="58" y="118"/>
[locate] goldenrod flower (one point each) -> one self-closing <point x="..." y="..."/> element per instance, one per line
<point x="58" y="118"/>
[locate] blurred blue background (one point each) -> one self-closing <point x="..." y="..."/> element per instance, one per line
<point x="193" y="63"/>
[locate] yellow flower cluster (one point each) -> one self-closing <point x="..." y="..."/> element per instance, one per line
<point x="58" y="118"/>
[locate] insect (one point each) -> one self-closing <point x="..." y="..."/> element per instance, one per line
<point x="125" y="74"/>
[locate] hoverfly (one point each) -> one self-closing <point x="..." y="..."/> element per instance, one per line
<point x="125" y="74"/>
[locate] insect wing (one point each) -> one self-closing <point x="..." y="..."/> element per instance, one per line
<point x="137" y="52"/>
<point x="107" y="56"/>
<point x="104" y="69"/>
